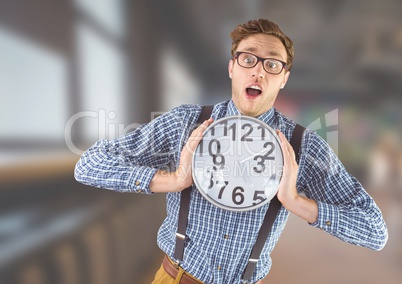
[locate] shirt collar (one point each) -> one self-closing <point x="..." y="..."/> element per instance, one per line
<point x="267" y="117"/>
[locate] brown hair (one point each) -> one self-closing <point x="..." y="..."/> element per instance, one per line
<point x="265" y="27"/>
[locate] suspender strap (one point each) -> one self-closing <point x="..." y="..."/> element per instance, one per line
<point x="185" y="200"/>
<point x="296" y="140"/>
<point x="271" y="213"/>
<point x="182" y="224"/>
<point x="269" y="219"/>
<point x="205" y="114"/>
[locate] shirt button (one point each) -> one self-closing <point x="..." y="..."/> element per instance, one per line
<point x="137" y="183"/>
<point x="226" y="237"/>
<point x="328" y="223"/>
<point x="139" y="191"/>
<point x="219" y="267"/>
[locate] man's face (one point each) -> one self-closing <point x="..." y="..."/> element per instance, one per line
<point x="255" y="103"/>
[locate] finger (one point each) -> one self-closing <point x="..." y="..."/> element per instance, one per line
<point x="199" y="131"/>
<point x="197" y="135"/>
<point x="284" y="141"/>
<point x="205" y="124"/>
<point x="291" y="152"/>
<point x="284" y="147"/>
<point x="287" y="148"/>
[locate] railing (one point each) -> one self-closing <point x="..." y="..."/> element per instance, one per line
<point x="54" y="230"/>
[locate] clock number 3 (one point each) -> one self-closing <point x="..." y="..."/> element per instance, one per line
<point x="262" y="158"/>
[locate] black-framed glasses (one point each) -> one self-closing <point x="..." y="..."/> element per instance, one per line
<point x="249" y="60"/>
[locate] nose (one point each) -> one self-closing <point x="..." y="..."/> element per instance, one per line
<point x="258" y="71"/>
<point x="260" y="76"/>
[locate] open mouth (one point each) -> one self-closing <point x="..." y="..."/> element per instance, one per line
<point x="253" y="91"/>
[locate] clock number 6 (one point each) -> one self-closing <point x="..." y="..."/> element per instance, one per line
<point x="237" y="196"/>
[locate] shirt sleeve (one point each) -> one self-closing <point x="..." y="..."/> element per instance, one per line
<point x="129" y="163"/>
<point x="345" y="209"/>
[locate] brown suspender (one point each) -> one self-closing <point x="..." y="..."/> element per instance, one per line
<point x="185" y="200"/>
<point x="271" y="213"/>
<point x="270" y="216"/>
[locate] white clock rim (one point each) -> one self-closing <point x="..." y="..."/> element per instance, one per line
<point x="220" y="205"/>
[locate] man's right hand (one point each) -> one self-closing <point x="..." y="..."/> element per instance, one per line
<point x="182" y="178"/>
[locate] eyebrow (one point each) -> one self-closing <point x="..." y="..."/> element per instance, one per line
<point x="271" y="53"/>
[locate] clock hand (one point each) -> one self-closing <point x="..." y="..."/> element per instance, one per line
<point x="257" y="154"/>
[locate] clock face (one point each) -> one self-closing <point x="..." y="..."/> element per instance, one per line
<point x="238" y="163"/>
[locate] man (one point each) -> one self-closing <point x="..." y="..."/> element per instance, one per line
<point x="218" y="242"/>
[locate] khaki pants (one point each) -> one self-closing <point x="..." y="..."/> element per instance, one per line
<point x="161" y="277"/>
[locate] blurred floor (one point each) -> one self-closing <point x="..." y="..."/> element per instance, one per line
<point x="308" y="255"/>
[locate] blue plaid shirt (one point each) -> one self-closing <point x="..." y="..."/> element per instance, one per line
<point x="218" y="241"/>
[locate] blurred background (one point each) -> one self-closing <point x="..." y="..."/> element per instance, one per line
<point x="72" y="72"/>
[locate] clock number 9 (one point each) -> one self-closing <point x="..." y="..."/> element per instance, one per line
<point x="264" y="157"/>
<point x="217" y="158"/>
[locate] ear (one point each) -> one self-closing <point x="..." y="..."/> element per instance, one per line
<point x="285" y="79"/>
<point x="230" y="68"/>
